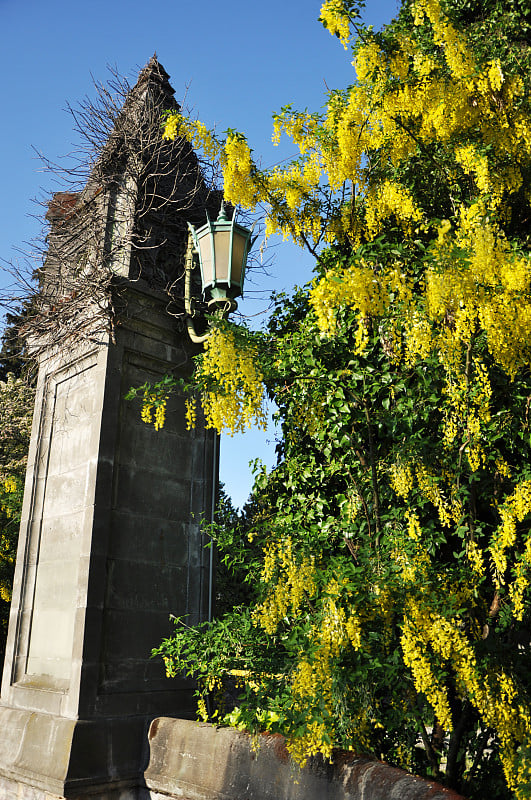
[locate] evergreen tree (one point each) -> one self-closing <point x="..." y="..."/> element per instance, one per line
<point x="12" y="345"/>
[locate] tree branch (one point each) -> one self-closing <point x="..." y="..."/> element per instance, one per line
<point x="374" y="475"/>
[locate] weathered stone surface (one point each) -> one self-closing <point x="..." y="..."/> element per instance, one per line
<point x="108" y="550"/>
<point x="110" y="539"/>
<point x="201" y="762"/>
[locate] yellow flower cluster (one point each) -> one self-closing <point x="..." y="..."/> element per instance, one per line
<point x="298" y="126"/>
<point x="357" y="286"/>
<point x="353" y="631"/>
<point x="417" y="333"/>
<point x="160" y="416"/>
<point x="154" y="401"/>
<point x="416" y="657"/>
<point x="202" y="712"/>
<point x="369" y="59"/>
<point x="238" y="399"/>
<point x="312" y="682"/>
<point x="413" y="526"/>
<point x="399" y="64"/>
<point x="475" y="164"/>
<point x="390" y="199"/>
<point x="190" y="413"/>
<point x="172" y="127"/>
<point x="428" y="639"/>
<point x="237" y="166"/>
<point x="458" y="57"/>
<point x="336" y="19"/>
<point x="520" y="585"/>
<point x="5" y="593"/>
<point x="372" y="291"/>
<point x="503" y="467"/>
<point x="493" y="293"/>
<point x="409" y="552"/>
<point x="10" y="484"/>
<point x="352" y="505"/>
<point x="467" y="412"/>
<point x="315" y="740"/>
<point x="234" y="155"/>
<point x="475" y="558"/>
<point x="515" y="508"/>
<point x="195" y="131"/>
<point x="402" y="479"/>
<point x="295" y="580"/>
<point x="403" y="476"/>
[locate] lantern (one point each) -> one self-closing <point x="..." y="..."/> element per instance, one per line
<point x="222" y="247"/>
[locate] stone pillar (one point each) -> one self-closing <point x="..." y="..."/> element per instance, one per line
<point x="110" y="545"/>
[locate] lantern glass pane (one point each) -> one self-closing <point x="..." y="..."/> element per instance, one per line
<point x="205" y="256"/>
<point x="222" y="244"/>
<point x="238" y="253"/>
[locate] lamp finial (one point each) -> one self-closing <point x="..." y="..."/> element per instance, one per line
<point x="222" y="213"/>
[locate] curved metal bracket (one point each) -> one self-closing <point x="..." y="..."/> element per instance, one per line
<point x="188" y="267"/>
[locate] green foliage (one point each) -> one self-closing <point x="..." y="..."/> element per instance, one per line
<point x="13" y="355"/>
<point x="346" y="421"/>
<point x="390" y="558"/>
<point x="16" y="410"/>
<point x="221" y="654"/>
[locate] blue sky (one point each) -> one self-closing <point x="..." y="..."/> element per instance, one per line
<point x="235" y="63"/>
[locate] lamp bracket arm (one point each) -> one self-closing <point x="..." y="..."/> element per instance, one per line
<point x="188" y="267"/>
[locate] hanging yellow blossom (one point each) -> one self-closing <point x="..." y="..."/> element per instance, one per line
<point x="191" y="413"/>
<point x="296" y="581"/>
<point x="237" y="399"/>
<point x="334" y="16"/>
<point x="237" y="166"/>
<point x="154" y="402"/>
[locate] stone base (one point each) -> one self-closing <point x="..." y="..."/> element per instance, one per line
<point x="46" y="756"/>
<point x="15" y="790"/>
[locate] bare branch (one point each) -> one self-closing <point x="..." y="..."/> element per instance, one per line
<point x="121" y="215"/>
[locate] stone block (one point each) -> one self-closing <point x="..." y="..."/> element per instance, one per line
<point x="132" y="635"/>
<point x="166" y="454"/>
<point x="142" y="586"/>
<point x="138" y="490"/>
<point x="168" y="542"/>
<point x="197" y="761"/>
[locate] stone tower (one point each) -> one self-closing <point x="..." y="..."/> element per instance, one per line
<point x="110" y="540"/>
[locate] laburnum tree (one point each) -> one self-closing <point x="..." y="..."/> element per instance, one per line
<point x="390" y="549"/>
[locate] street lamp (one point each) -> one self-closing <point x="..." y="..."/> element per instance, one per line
<point x="222" y="247"/>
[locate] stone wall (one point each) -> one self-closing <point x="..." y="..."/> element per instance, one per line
<point x="110" y="545"/>
<point x="195" y="761"/>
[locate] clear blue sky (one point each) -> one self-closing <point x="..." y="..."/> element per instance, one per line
<point x="235" y="62"/>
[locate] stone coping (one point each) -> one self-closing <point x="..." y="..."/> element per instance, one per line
<point x="198" y="761"/>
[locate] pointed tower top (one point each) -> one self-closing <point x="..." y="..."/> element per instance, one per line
<point x="156" y="76"/>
